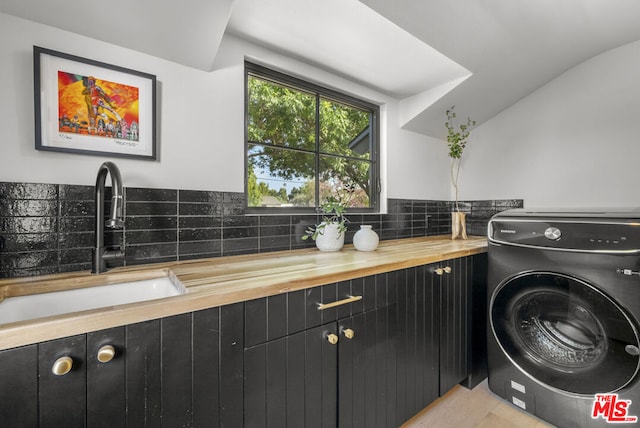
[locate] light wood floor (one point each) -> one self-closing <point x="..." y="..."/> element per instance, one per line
<point x="462" y="408"/>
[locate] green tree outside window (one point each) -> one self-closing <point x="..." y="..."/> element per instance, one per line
<point x="305" y="144"/>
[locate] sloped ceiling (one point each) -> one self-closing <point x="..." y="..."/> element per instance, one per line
<point x="187" y="32"/>
<point x="430" y="55"/>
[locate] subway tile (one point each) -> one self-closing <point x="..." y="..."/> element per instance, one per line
<point x="76" y="193"/>
<point x="233" y="203"/>
<point x="482" y="205"/>
<point x="275" y="230"/>
<point x="151" y="222"/>
<point x="27" y="242"/>
<point x="272" y="220"/>
<point x="76" y="240"/>
<point x="388" y="234"/>
<point x="28" y="208"/>
<point x="418" y="232"/>
<point x="151" y="253"/>
<point x="16" y="273"/>
<point x="77" y="208"/>
<point x="151" y="208"/>
<point x="199" y="221"/>
<point x="239" y="232"/>
<point x="209" y="197"/>
<point x="240" y="221"/>
<point x="74" y="267"/>
<point x="273" y="243"/>
<point x="76" y="224"/>
<point x="212" y="248"/>
<point x="75" y="256"/>
<point x="239" y="246"/>
<point x="28" y="224"/>
<point x="28" y="260"/>
<point x="199" y="234"/>
<point x="199" y="209"/>
<point x="151" y="236"/>
<point x="28" y="191"/>
<point x="135" y="194"/>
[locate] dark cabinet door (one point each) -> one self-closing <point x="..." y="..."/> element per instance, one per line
<point x="62" y="384"/>
<point x="184" y="370"/>
<point x="455" y="322"/>
<point x="19" y="387"/>
<point x="291" y="381"/>
<point x="418" y="313"/>
<point x="367" y="369"/>
<point x="333" y="373"/>
<point x="105" y="362"/>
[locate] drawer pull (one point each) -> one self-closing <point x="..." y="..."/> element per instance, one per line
<point x="441" y="271"/>
<point x="62" y="366"/>
<point x="106" y="353"/>
<point x="332" y="338"/>
<point x="350" y="299"/>
<point x="348" y="333"/>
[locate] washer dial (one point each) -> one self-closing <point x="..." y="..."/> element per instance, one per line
<point x="553" y="233"/>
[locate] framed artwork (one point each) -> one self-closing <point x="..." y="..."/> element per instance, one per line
<point x="89" y="107"/>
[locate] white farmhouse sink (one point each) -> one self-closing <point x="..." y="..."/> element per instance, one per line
<point x="22" y="308"/>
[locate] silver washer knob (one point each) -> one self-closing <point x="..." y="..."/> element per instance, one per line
<point x="553" y="233"/>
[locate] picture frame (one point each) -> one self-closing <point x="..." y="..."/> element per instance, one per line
<point x="89" y="107"/>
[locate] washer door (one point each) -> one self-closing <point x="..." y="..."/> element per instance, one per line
<point x="564" y="333"/>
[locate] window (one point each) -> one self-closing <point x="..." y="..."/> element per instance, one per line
<point x="305" y="143"/>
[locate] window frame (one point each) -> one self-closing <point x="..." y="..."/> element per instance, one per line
<point x="320" y="92"/>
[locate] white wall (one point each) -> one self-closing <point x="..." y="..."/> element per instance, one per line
<point x="200" y="114"/>
<point x="575" y="142"/>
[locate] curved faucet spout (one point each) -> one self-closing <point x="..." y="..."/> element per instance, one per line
<point x="116" y="220"/>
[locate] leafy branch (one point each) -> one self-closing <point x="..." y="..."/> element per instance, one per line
<point x="456" y="141"/>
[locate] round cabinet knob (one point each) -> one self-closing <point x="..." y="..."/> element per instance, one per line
<point x="439" y="271"/>
<point x="447" y="269"/>
<point x="106" y="353"/>
<point x="348" y="333"/>
<point x="332" y="338"/>
<point x="62" y="366"/>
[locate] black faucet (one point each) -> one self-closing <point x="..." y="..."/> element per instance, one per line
<point x="100" y="253"/>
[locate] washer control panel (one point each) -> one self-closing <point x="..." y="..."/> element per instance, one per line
<point x="597" y="236"/>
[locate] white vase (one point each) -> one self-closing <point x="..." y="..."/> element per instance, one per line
<point x="330" y="238"/>
<point x="366" y="239"/>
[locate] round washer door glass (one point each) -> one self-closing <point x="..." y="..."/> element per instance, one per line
<point x="565" y="333"/>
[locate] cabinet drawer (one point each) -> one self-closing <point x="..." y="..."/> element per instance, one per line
<point x="277" y="316"/>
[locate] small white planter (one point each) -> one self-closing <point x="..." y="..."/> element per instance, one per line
<point x="330" y="238"/>
<point x="366" y="239"/>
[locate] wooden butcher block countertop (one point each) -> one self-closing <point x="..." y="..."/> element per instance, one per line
<point x="220" y="281"/>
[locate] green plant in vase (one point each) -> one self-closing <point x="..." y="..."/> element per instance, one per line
<point x="330" y="232"/>
<point x="457" y="141"/>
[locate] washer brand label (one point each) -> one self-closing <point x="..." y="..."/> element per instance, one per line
<point x="612" y="409"/>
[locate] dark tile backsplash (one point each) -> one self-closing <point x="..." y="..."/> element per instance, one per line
<point x="48" y="228"/>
